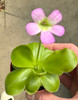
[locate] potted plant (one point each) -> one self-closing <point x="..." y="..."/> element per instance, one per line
<point x="36" y="67"/>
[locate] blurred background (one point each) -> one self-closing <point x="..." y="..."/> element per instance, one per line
<point x="13" y="33"/>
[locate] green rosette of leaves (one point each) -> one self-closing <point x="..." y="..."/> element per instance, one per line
<point x="31" y="73"/>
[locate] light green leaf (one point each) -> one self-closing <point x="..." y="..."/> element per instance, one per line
<point x="44" y="52"/>
<point x="50" y="82"/>
<point x="39" y="71"/>
<point x="60" y="61"/>
<point x="33" y="84"/>
<point x="16" y="81"/>
<point x="22" y="57"/>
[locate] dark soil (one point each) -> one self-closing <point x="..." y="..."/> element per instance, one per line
<point x="41" y="88"/>
<point x="11" y="68"/>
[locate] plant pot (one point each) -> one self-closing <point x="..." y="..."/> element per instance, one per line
<point x="40" y="89"/>
<point x="11" y="68"/>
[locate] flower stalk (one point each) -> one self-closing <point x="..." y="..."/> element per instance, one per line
<point x="38" y="51"/>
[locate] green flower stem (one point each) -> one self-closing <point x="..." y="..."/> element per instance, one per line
<point x="38" y="51"/>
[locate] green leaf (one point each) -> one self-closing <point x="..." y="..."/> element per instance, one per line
<point x="44" y="52"/>
<point x="60" y="61"/>
<point x="15" y="67"/>
<point x="16" y="81"/>
<point x="22" y="57"/>
<point x="33" y="84"/>
<point x="39" y="71"/>
<point x="50" y="82"/>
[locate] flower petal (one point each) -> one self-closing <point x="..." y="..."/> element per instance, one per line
<point x="32" y="29"/>
<point x="58" y="30"/>
<point x="55" y="17"/>
<point x="47" y="37"/>
<point x="38" y="15"/>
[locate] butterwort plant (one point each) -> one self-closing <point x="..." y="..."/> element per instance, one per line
<point x="36" y="66"/>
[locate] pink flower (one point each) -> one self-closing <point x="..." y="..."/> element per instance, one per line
<point x="46" y="25"/>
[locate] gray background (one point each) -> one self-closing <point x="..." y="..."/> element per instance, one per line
<point x="15" y="33"/>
